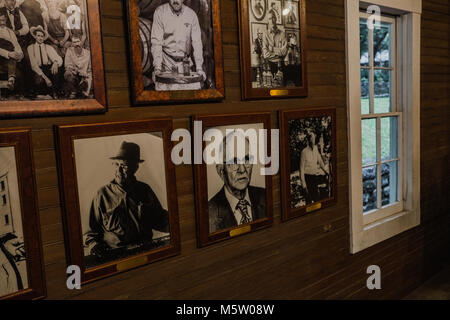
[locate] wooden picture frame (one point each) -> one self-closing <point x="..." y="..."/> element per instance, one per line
<point x="72" y="141"/>
<point x="202" y="200"/>
<point x="25" y="203"/>
<point x="65" y="102"/>
<point x="291" y="151"/>
<point x="262" y="78"/>
<point x="173" y="85"/>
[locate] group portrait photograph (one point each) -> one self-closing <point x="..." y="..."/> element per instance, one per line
<point x="44" y="50"/>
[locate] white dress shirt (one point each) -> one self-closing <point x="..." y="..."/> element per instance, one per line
<point x="233" y="201"/>
<point x="173" y="34"/>
<point x="49" y="56"/>
<point x="311" y="161"/>
<point x="7" y="34"/>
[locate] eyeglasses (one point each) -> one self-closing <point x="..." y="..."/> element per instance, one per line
<point x="235" y="163"/>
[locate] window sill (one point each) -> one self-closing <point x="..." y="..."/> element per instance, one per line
<point x="383" y="229"/>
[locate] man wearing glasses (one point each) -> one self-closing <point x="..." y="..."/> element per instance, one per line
<point x="124" y="212"/>
<point x="237" y="203"/>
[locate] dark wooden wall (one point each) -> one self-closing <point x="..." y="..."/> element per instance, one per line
<point x="304" y="258"/>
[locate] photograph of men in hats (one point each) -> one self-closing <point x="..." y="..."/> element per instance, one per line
<point x="124" y="216"/>
<point x="44" y="50"/>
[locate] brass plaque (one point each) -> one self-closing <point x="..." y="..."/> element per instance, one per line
<point x="239" y="231"/>
<point x="314" y="207"/>
<point x="275" y="93"/>
<point x="182" y="94"/>
<point x="130" y="264"/>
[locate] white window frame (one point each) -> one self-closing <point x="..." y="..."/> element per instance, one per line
<point x="366" y="232"/>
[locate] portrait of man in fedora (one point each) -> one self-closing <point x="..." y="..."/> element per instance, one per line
<point x="124" y="212"/>
<point x="46" y="65"/>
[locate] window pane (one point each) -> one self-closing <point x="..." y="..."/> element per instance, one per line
<point x="369" y="141"/>
<point x="382" y="89"/>
<point x="365" y="92"/>
<point x="382" y="45"/>
<point x="389" y="183"/>
<point x="389" y="138"/>
<point x="369" y="175"/>
<point x="364" y="41"/>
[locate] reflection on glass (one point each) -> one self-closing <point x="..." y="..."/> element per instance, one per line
<point x="389" y="183"/>
<point x="382" y="89"/>
<point x="365" y="91"/>
<point x="369" y="176"/>
<point x="389" y="138"/>
<point x="382" y="45"/>
<point x="369" y="141"/>
<point x="364" y="42"/>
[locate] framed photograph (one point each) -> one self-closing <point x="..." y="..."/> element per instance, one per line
<point x="308" y="155"/>
<point x="259" y="8"/>
<point x="21" y="264"/>
<point x="275" y="7"/>
<point x="51" y="60"/>
<point x="119" y="194"/>
<point x="291" y="19"/>
<point x="233" y="196"/>
<point x="176" y="50"/>
<point x="273" y="50"/>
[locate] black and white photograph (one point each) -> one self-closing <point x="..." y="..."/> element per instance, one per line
<point x="233" y="194"/>
<point x="311" y="165"/>
<point x="176" y="44"/>
<point x="291" y="16"/>
<point x="13" y="261"/>
<point x="258" y="8"/>
<point x="236" y="189"/>
<point x="275" y="7"/>
<point x="45" y="50"/>
<point x="276" y="52"/>
<point x="123" y="196"/>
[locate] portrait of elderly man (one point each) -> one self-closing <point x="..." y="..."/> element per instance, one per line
<point x="45" y="64"/>
<point x="176" y="46"/>
<point x="125" y="211"/>
<point x="237" y="203"/>
<point x="275" y="45"/>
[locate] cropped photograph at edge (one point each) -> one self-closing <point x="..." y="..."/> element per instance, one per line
<point x="123" y="196"/>
<point x="275" y="43"/>
<point x="236" y="188"/>
<point x="44" y="50"/>
<point x="176" y="38"/>
<point x="13" y="261"/>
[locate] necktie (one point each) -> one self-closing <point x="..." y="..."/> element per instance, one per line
<point x="40" y="54"/>
<point x="242" y="206"/>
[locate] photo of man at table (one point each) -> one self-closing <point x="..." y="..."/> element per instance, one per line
<point x="176" y="44"/>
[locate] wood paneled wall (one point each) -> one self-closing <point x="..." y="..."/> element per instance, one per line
<point x="304" y="258"/>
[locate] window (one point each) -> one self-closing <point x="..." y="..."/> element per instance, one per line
<point x="383" y="68"/>
<point x="381" y="125"/>
<point x="6" y="219"/>
<point x="2" y="183"/>
<point x="4" y="200"/>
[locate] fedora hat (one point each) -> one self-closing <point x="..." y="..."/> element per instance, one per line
<point x="129" y="151"/>
<point x="33" y="31"/>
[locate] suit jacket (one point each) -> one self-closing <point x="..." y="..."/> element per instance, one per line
<point x="221" y="215"/>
